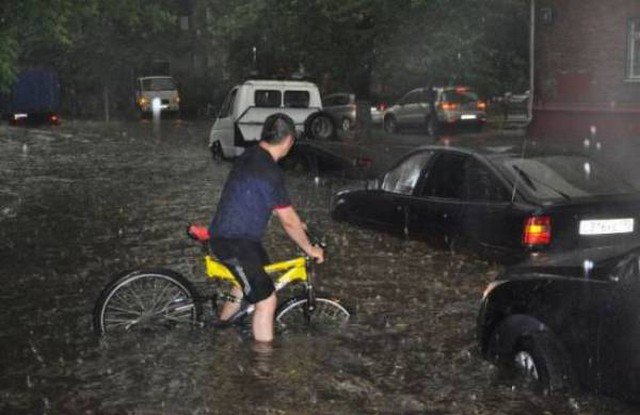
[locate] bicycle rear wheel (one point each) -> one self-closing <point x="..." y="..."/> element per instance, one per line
<point x="295" y="314"/>
<point x="145" y="300"/>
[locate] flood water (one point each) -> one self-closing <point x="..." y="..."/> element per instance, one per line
<point x="84" y="201"/>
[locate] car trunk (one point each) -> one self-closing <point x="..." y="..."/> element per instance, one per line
<point x="595" y="222"/>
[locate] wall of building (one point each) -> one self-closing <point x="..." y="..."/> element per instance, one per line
<point x="581" y="68"/>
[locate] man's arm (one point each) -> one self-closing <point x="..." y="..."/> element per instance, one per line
<point x="295" y="229"/>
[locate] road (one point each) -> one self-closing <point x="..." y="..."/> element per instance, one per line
<point x="85" y="201"/>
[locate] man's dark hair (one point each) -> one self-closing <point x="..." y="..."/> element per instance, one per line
<point x="276" y="127"/>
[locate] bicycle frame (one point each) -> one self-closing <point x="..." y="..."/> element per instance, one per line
<point x="293" y="270"/>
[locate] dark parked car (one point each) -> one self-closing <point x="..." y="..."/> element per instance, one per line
<point x="497" y="202"/>
<point x="324" y="159"/>
<point x="568" y="320"/>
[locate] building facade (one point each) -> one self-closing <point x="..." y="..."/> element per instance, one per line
<point x="587" y="69"/>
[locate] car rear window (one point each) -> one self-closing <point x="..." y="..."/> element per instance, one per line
<point x="296" y="99"/>
<point x="158" y="84"/>
<point x="459" y="97"/>
<point x="267" y="98"/>
<point x="564" y="177"/>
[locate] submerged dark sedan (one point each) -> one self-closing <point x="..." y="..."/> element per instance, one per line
<point x="571" y="319"/>
<point x="497" y="201"/>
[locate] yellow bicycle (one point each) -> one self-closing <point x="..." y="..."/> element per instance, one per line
<point x="152" y="299"/>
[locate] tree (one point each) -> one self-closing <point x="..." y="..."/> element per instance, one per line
<point x="29" y="27"/>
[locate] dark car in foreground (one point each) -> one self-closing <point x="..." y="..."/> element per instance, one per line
<point x="497" y="201"/>
<point x="568" y="320"/>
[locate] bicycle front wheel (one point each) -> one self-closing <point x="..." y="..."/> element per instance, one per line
<point x="145" y="300"/>
<point x="296" y="314"/>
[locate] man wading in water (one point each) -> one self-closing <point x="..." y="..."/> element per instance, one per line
<point x="253" y="191"/>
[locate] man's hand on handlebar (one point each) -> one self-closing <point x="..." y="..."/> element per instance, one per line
<point x="316" y="253"/>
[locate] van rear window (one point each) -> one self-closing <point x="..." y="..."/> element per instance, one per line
<point x="296" y="99"/>
<point x="267" y="98"/>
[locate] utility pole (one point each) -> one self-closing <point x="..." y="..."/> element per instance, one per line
<point x="532" y="55"/>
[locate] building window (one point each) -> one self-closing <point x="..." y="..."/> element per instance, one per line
<point x="184" y="23"/>
<point x="633" y="50"/>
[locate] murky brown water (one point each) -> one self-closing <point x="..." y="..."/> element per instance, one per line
<point x="81" y="203"/>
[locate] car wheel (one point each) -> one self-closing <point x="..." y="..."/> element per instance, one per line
<point x="538" y="360"/>
<point x="433" y="126"/>
<point x="391" y="125"/>
<point x="320" y="126"/>
<point x="345" y="124"/>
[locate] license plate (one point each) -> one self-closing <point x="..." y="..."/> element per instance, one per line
<point x="468" y="117"/>
<point x="606" y="226"/>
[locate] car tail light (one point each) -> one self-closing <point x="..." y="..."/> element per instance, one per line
<point x="54" y="119"/>
<point x="537" y="230"/>
<point x="448" y="106"/>
<point x="481" y="105"/>
<point x="382" y="106"/>
<point x="461" y="89"/>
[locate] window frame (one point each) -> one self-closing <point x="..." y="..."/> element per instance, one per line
<point x="426" y="155"/>
<point x="273" y="91"/>
<point x="288" y="92"/>
<point x="633" y="47"/>
<point x="227" y="107"/>
<point x="429" y="177"/>
<point x="498" y="192"/>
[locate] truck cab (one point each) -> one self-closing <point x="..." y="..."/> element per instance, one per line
<point x="161" y="91"/>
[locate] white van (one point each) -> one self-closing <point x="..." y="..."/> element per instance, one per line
<point x="247" y="105"/>
<point x="162" y="88"/>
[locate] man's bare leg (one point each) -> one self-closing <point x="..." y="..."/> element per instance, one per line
<point x="262" y="323"/>
<point x="231" y="307"/>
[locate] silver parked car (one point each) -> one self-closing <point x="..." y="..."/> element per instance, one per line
<point x="343" y="108"/>
<point x="435" y="108"/>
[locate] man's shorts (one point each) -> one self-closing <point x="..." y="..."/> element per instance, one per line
<point x="246" y="260"/>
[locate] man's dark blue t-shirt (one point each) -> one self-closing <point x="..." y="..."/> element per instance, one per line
<point x="254" y="188"/>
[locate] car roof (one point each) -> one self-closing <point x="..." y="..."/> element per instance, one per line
<point x="336" y="94"/>
<point x="156" y="77"/>
<point x="496" y="146"/>
<point x="279" y="83"/>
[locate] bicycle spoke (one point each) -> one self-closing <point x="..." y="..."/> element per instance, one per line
<point x="148" y="302"/>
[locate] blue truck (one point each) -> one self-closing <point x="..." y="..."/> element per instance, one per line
<point x="34" y="98"/>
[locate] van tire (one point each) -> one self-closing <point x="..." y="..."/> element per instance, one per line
<point x="216" y="152"/>
<point x="320" y="126"/>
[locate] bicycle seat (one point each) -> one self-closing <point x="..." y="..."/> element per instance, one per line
<point x="198" y="233"/>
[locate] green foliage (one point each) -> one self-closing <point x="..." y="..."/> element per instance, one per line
<point x="86" y="40"/>
<point x="400" y="43"/>
<point x="385" y="46"/>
